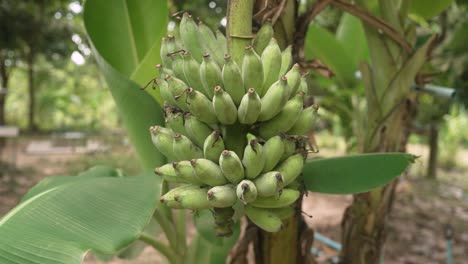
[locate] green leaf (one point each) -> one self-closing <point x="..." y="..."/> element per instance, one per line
<point x="321" y="44"/>
<point x="350" y="34"/>
<point x="62" y="223"/>
<point x="125" y="37"/>
<point x="354" y="173"/>
<point x="428" y="9"/>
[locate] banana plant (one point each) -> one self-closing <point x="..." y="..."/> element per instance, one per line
<point x="104" y="211"/>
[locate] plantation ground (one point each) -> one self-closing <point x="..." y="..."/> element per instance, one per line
<point x="415" y="235"/>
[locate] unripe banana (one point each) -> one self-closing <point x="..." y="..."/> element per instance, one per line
<point x="285" y="119"/>
<point x="184" y="149"/>
<point x="274" y="149"/>
<point x="283" y="212"/>
<point x="213" y="146"/>
<point x="162" y="140"/>
<point x="252" y="69"/>
<point x="274" y="99"/>
<point x="172" y="45"/>
<point x="263" y="37"/>
<point x="269" y="183"/>
<point x="165" y="92"/>
<point x="224" y="107"/>
<point x="246" y="191"/>
<point x="184" y="170"/>
<point x="177" y="88"/>
<point x="208" y="172"/>
<point x="264" y="218"/>
<point x="178" y="66"/>
<point x="163" y="71"/>
<point x="174" y="120"/>
<point x="168" y="173"/>
<point x="254" y="159"/>
<point x="271" y="63"/>
<point x="208" y="39"/>
<point x="291" y="168"/>
<point x="163" y="53"/>
<point x="249" y="108"/>
<point x="192" y="73"/>
<point x="304" y="123"/>
<point x="286" y="61"/>
<point x="200" y="106"/>
<point x="210" y="75"/>
<point x="287" y="197"/>
<point x="232" y="79"/>
<point x="188" y="197"/>
<point x="197" y="131"/>
<point x="303" y="85"/>
<point x="222" y="196"/>
<point x="231" y="166"/>
<point x="189" y="35"/>
<point x="290" y="146"/>
<point x="294" y="78"/>
<point x="221" y="42"/>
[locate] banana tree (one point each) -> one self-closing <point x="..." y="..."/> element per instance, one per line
<point x="106" y="212"/>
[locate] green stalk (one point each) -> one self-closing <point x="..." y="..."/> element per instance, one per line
<point x="239" y="27"/>
<point x="167" y="227"/>
<point x="181" y="232"/>
<point x="160" y="247"/>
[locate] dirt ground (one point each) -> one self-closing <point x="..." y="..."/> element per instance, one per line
<point x="415" y="232"/>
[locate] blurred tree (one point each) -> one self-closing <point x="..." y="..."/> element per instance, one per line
<point x="34" y="28"/>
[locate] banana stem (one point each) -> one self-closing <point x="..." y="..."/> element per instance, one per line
<point x="239" y="27"/>
<point x="167" y="227"/>
<point x="163" y="249"/>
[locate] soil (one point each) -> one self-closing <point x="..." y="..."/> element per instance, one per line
<point x="415" y="227"/>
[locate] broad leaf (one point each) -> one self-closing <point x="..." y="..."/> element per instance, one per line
<point x="60" y="224"/>
<point x="350" y="34"/>
<point x="321" y="44"/>
<point x="354" y="173"/>
<point x="125" y="37"/>
<point x="428" y="9"/>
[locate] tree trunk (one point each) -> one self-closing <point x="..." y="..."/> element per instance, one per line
<point x="31" y="92"/>
<point x="3" y="94"/>
<point x="433" y="150"/>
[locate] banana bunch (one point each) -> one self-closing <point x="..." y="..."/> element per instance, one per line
<point x="234" y="134"/>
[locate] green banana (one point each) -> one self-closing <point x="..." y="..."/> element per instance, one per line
<point x="192" y="73"/>
<point x="221" y="42"/>
<point x="291" y="168"/>
<point x="224" y="107"/>
<point x="168" y="173"/>
<point x="177" y="88"/>
<point x="249" y="108"/>
<point x="274" y="149"/>
<point x="231" y="166"/>
<point x="252" y="69"/>
<point x="274" y="99"/>
<point x="254" y="159"/>
<point x="294" y="78"/>
<point x="304" y="123"/>
<point x="263" y="37"/>
<point x="246" y="191"/>
<point x="197" y="131"/>
<point x="287" y="197"/>
<point x="185" y="149"/>
<point x="184" y="170"/>
<point x="174" y="120"/>
<point x="269" y="183"/>
<point x="178" y="66"/>
<point x="172" y="45"/>
<point x="290" y="146"/>
<point x="186" y="197"/>
<point x="210" y="75"/>
<point x="189" y="35"/>
<point x="162" y="140"/>
<point x="208" y="38"/>
<point x="303" y="85"/>
<point x="285" y="119"/>
<point x="208" y="172"/>
<point x="222" y="196"/>
<point x="286" y="60"/>
<point x="165" y="92"/>
<point x="163" y="53"/>
<point x="283" y="212"/>
<point x="213" y="146"/>
<point x="163" y="71"/>
<point x="232" y="79"/>
<point x="264" y="218"/>
<point x="271" y="64"/>
<point x="200" y="106"/>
